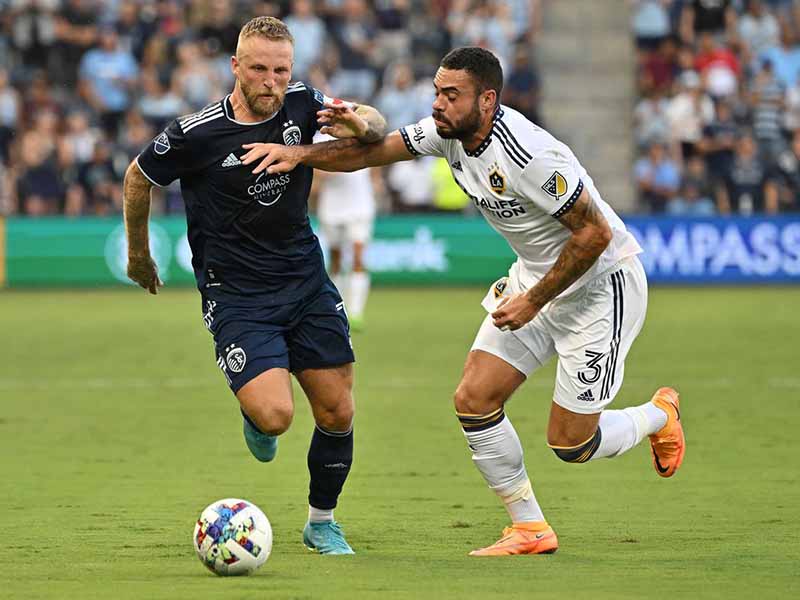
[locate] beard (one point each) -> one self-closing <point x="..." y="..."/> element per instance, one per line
<point x="261" y="105"/>
<point x="462" y="130"/>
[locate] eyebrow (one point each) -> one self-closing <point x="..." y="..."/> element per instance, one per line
<point x="450" y="88"/>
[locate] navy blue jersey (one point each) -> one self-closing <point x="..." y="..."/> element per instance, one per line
<point x="250" y="235"/>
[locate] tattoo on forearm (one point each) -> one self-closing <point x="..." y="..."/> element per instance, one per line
<point x="136" y="208"/>
<point x="335" y="155"/>
<point x="590" y="236"/>
<point x="376" y="129"/>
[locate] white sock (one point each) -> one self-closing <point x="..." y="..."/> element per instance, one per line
<point x="359" y="290"/>
<point x="621" y="430"/>
<point x="497" y="453"/>
<point x="319" y="515"/>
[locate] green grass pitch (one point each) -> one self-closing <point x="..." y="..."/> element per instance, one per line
<point x="116" y="429"/>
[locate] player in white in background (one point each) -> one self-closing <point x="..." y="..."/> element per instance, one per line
<point x="576" y="291"/>
<point x="346" y="212"/>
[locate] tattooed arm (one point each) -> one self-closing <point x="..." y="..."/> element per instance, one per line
<point x="590" y="237"/>
<point x="136" y="210"/>
<point x="337" y="155"/>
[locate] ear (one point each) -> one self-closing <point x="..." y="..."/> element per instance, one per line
<point x="489" y="100"/>
<point x="234" y="65"/>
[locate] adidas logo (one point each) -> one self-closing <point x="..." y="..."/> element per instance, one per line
<point x="457" y="166"/>
<point x="586" y="396"/>
<point x="231" y="161"/>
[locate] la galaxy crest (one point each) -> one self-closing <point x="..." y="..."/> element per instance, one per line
<point x="556" y="186"/>
<point x="291" y="134"/>
<point x="497" y="180"/>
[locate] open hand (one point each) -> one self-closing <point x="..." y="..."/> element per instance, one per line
<point x="277" y="157"/>
<point x="142" y="269"/>
<point x="514" y="312"/>
<point x="340" y="120"/>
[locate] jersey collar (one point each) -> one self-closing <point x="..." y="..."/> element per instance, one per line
<point x="229" y="113"/>
<point x="488" y="139"/>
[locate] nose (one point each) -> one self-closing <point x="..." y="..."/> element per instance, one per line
<point x="438" y="105"/>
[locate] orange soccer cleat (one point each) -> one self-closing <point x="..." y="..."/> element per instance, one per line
<point x="668" y="445"/>
<point x="522" y="538"/>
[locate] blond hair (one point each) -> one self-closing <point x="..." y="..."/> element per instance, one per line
<point x="266" y="27"/>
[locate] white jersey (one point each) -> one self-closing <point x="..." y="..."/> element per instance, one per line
<point x="345" y="197"/>
<point x="522" y="179"/>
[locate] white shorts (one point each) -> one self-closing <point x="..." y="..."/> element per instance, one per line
<point x="344" y="234"/>
<point x="591" y="330"/>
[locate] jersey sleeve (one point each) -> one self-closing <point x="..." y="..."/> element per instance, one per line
<point x="167" y="157"/>
<point x="551" y="181"/>
<point x="421" y="139"/>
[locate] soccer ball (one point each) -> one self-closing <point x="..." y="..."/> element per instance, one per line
<point x="232" y="537"/>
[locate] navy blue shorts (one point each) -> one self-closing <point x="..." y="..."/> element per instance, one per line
<point x="311" y="333"/>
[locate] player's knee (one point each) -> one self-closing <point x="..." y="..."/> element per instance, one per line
<point x="569" y="451"/>
<point x="272" y="419"/>
<point x="469" y="399"/>
<point x="337" y="418"/>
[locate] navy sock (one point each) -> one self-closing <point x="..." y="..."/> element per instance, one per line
<point x="329" y="459"/>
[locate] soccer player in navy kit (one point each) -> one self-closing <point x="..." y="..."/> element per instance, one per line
<point x="266" y="298"/>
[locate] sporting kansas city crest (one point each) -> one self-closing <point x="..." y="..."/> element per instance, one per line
<point x="291" y="134"/>
<point x="556" y="186"/>
<point x="496" y="180"/>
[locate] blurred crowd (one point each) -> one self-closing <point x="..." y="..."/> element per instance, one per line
<point x="86" y="84"/>
<point x="717" y="121"/>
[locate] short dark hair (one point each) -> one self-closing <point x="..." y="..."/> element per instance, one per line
<point x="481" y="64"/>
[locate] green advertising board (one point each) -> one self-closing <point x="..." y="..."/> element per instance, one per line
<point x="441" y="250"/>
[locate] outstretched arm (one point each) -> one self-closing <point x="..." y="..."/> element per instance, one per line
<point x="337" y="155"/>
<point x="136" y="210"/>
<point x="590" y="237"/>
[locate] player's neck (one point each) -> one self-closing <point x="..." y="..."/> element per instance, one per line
<point x="241" y="110"/>
<point x="476" y="139"/>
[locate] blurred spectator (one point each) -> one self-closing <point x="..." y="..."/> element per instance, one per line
<point x="482" y="23"/>
<point x="718" y="66"/>
<point x="767" y="102"/>
<point x="707" y="16"/>
<point x="38" y="188"/>
<point x="719" y="141"/>
<point x="75" y="32"/>
<point x="9" y="113"/>
<point x="194" y="78"/>
<point x="785" y="58"/>
<point x="33" y="31"/>
<point x="108" y="73"/>
<point x="695" y="196"/>
<point x="660" y="68"/>
<point x="657" y="178"/>
<point x="159" y="104"/>
<point x="650" y="118"/>
<point x="758" y="28"/>
<point x="787" y="177"/>
<point x="392" y="17"/>
<point x="101" y="182"/>
<point x="400" y="99"/>
<point x="309" y="34"/>
<point x="688" y="113"/>
<point x="80" y="137"/>
<point x="743" y="191"/>
<point x="521" y="89"/>
<point x="355" y="37"/>
<point x="791" y="115"/>
<point x="135" y="24"/>
<point x="651" y="24"/>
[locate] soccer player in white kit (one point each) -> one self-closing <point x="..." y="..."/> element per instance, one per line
<point x="346" y="213"/>
<point x="577" y="289"/>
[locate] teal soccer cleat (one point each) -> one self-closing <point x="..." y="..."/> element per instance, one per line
<point x="263" y="446"/>
<point x="326" y="538"/>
